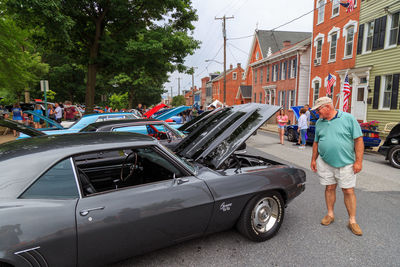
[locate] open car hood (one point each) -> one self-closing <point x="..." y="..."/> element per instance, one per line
<point x="49" y="121"/>
<point x="395" y="132"/>
<point x="19" y="127"/>
<point x="223" y="131"/>
<point x="150" y="113"/>
<point x="191" y="125"/>
<point x="313" y="115"/>
<point x="170" y="113"/>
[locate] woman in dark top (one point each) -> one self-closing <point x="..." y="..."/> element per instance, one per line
<point x="17" y="115"/>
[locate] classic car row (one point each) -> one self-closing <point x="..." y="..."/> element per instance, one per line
<point x="88" y="199"/>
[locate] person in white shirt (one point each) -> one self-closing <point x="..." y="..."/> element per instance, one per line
<point x="302" y="127"/>
<point x="58" y="113"/>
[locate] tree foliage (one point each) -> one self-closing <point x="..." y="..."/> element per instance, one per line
<point x="178" y="100"/>
<point x="119" y="101"/>
<point x="144" y="38"/>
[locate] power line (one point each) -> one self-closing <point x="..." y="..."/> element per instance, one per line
<point x="239" y="49"/>
<point x="232" y="53"/>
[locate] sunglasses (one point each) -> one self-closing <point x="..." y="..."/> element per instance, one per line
<point x="321" y="107"/>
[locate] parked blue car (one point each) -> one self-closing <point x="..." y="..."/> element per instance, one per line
<point x="371" y="138"/>
<point x="81" y="123"/>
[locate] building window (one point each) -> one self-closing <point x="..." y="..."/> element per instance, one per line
<point x="294" y="67"/>
<point x="234" y="76"/>
<point x="257" y="55"/>
<point x="255" y="76"/>
<point x="318" y="53"/>
<point x="267" y="73"/>
<point x="272" y="97"/>
<point x="261" y="76"/>
<point x="394" y="29"/>
<point x="321" y="11"/>
<point x="276" y="69"/>
<point x="335" y="8"/>
<point x="349" y="42"/>
<point x="332" y="50"/>
<point x="255" y="97"/>
<point x="282" y="99"/>
<point x="292" y="98"/>
<point x="260" y="98"/>
<point x="370" y="36"/>
<point x="316" y="91"/>
<point x="386" y="93"/>
<point x="284" y="70"/>
<point x="243" y="75"/>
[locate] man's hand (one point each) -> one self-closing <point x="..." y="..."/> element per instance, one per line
<point x="314" y="165"/>
<point x="357" y="166"/>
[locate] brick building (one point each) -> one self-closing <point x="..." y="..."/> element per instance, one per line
<point x="334" y="48"/>
<point x="233" y="81"/>
<point x="282" y="78"/>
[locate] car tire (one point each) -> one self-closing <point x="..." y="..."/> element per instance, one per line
<point x="262" y="217"/>
<point x="394" y="156"/>
<point x="291" y="136"/>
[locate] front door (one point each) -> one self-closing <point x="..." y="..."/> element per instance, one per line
<point x="122" y="223"/>
<point x="360" y="103"/>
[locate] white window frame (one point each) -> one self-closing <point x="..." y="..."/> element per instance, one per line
<point x="292" y="97"/>
<point x="292" y="68"/>
<point x="257" y="55"/>
<point x="335" y="4"/>
<point x="383" y="91"/>
<point x="270" y="96"/>
<point x="320" y="11"/>
<point x="261" y="75"/>
<point x="281" y="100"/>
<point x="389" y="29"/>
<point x="276" y="72"/>
<point x="243" y="75"/>
<point x="283" y="70"/>
<point x="367" y="29"/>
<point x="330" y="59"/>
<point x="349" y="24"/>
<point x="314" y="81"/>
<point x="320" y="41"/>
<point x="234" y="75"/>
<point x="319" y="37"/>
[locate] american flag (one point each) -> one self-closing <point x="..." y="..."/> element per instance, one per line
<point x="331" y="81"/>
<point x="346" y="93"/>
<point x="349" y="5"/>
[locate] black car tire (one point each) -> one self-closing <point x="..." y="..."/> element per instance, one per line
<point x="2" y="264"/>
<point x="266" y="209"/>
<point x="291" y="136"/>
<point x="394" y="156"/>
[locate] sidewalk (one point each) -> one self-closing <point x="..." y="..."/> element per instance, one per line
<point x="270" y="127"/>
<point x="6" y="138"/>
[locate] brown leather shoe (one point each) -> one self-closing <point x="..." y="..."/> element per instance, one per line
<point x="327" y="220"/>
<point x="355" y="228"/>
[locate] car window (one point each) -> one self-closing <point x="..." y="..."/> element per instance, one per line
<point x="115" y="169"/>
<point x="115" y="117"/>
<point x="57" y="183"/>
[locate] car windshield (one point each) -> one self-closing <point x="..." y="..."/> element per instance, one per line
<point x="183" y="160"/>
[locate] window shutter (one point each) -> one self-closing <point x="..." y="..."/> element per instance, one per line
<point x="375" y="41"/>
<point x="280" y="70"/>
<point x="398" y="37"/>
<point x="286" y="71"/>
<point x="289" y="68"/>
<point x="360" y="39"/>
<point x="287" y="99"/>
<point x="395" y="91"/>
<point x="382" y="32"/>
<point x="295" y="67"/>
<point x="377" y="88"/>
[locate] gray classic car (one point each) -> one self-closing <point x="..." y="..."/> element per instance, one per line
<point x="89" y="199"/>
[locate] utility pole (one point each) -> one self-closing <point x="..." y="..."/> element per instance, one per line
<point x="171" y="93"/>
<point x="193" y="84"/>
<point x="179" y="85"/>
<point x="224" y="18"/>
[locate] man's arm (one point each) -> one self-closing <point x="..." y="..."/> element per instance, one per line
<point x="314" y="157"/>
<point x="359" y="150"/>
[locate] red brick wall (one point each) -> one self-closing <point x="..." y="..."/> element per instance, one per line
<point x="232" y="86"/>
<point x="340" y="64"/>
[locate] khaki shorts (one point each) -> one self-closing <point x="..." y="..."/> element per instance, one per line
<point x="344" y="176"/>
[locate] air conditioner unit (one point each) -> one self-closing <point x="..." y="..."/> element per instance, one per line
<point x="317" y="61"/>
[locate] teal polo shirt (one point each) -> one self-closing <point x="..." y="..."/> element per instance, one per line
<point x="335" y="139"/>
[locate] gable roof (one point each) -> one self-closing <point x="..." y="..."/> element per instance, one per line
<point x="245" y="91"/>
<point x="267" y="40"/>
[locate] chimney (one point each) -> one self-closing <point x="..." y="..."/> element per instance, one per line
<point x="230" y="66"/>
<point x="239" y="65"/>
<point x="286" y="43"/>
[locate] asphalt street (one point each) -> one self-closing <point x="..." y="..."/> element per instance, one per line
<point x="302" y="240"/>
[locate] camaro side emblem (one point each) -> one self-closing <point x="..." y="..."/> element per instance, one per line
<point x="225" y="207"/>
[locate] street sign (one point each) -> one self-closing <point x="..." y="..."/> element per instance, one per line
<point x="44" y="85"/>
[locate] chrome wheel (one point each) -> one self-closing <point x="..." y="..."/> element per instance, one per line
<point x="265" y="215"/>
<point x="291" y="135"/>
<point x="394" y="157"/>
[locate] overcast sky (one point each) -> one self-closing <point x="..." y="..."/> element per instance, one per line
<point x="248" y="16"/>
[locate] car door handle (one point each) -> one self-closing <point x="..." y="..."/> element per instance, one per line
<point x="87" y="211"/>
<point x="182" y="180"/>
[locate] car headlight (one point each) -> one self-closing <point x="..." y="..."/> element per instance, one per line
<point x="394" y="141"/>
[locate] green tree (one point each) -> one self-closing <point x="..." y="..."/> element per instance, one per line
<point x="107" y="35"/>
<point x="119" y="101"/>
<point x="178" y="100"/>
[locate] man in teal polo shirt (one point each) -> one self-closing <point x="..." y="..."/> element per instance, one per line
<point x="339" y="144"/>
